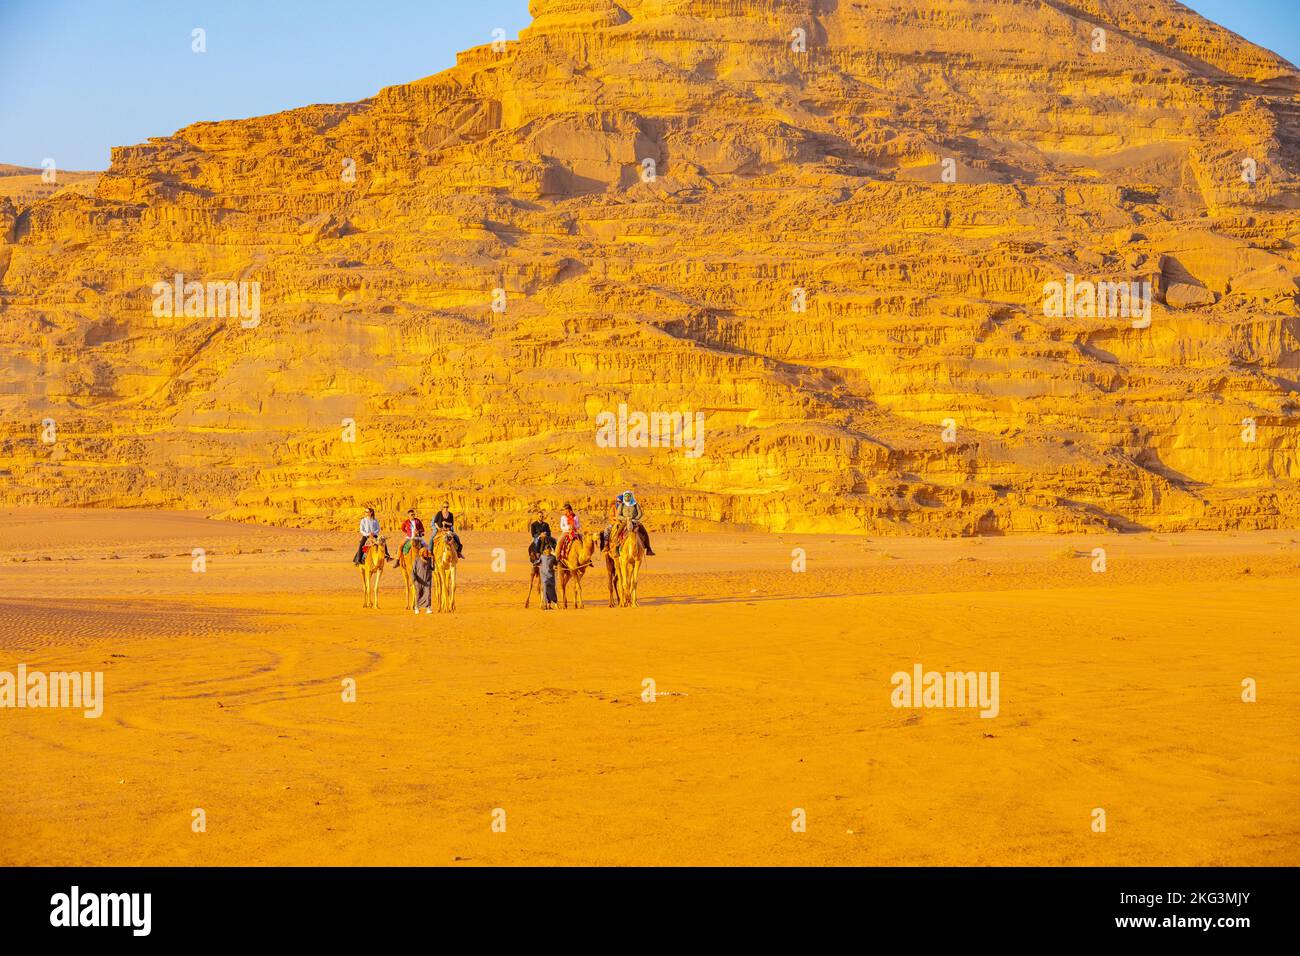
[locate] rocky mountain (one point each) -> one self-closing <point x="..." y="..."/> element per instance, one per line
<point x="877" y="246"/>
<point x="23" y="185"/>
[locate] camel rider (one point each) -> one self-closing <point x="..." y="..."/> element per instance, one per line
<point x="369" y="528"/>
<point x="570" y="530"/>
<point x="444" y="520"/>
<point x="413" y="528"/>
<point x="628" y="511"/>
<point x="535" y="530"/>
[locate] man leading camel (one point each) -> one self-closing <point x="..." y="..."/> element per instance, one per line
<point x="536" y="548"/>
<point x="422" y="576"/>
<point x="413" y="528"/>
<point x="546" y="568"/>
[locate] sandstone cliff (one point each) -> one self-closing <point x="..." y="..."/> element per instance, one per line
<point x="628" y="206"/>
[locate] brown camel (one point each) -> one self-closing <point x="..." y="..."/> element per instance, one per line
<point x="611" y="572"/>
<point x="405" y="560"/>
<point x="534" y="580"/>
<point x="577" y="559"/>
<point x="372" y="568"/>
<point x="628" y="564"/>
<point x="444" y="571"/>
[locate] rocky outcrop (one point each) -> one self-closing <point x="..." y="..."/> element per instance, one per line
<point x="829" y="229"/>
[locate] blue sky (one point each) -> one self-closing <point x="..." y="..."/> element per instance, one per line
<point x="80" y="76"/>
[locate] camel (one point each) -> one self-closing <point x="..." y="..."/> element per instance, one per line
<point x="444" y="572"/>
<point x="534" y="580"/>
<point x="372" y="567"/>
<point x="577" y="559"/>
<point x="611" y="572"/>
<point x="628" y="563"/>
<point x="405" y="560"/>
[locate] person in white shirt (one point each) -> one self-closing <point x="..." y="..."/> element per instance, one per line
<point x="369" y="527"/>
<point x="570" y="529"/>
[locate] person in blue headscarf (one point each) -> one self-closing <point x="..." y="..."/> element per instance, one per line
<point x="628" y="512"/>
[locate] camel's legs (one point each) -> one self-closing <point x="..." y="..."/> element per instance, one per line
<point x="577" y="591"/>
<point x="534" y="577"/>
<point x="627" y="583"/>
<point x="451" y="573"/>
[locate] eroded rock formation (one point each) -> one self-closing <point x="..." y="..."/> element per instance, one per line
<point x="648" y="191"/>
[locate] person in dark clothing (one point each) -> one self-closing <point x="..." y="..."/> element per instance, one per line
<point x="546" y="566"/>
<point x="444" y="520"/>
<point x="422" y="575"/>
<point x="535" y="549"/>
<point x="536" y="530"/>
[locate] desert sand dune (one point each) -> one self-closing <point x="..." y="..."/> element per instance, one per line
<point x="1120" y="690"/>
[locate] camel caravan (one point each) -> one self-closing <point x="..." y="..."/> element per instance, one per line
<point x="428" y="565"/>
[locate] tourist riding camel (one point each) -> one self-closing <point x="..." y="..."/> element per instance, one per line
<point x="444" y="520"/>
<point x="444" y="570"/>
<point x="577" y="561"/>
<point x="628" y="519"/>
<point x="570" y="531"/>
<point x="538" y="528"/>
<point x="372" y="568"/>
<point x="413" y="528"/>
<point x="369" y="528"/>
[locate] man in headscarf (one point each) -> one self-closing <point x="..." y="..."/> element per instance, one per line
<point x="628" y="511"/>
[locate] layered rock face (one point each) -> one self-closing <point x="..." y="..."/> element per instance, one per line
<point x="831" y="230"/>
<point x="24" y="185"/>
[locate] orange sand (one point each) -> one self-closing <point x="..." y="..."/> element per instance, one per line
<point x="1118" y="690"/>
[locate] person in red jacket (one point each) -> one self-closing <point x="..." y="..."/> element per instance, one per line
<point x="413" y="528"/>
